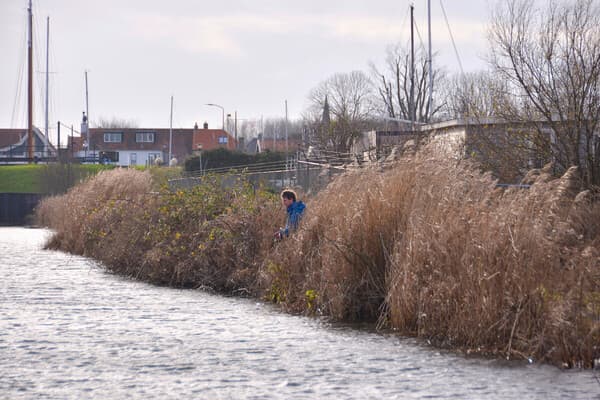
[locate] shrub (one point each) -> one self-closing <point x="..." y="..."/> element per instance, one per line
<point x="221" y="157"/>
<point x="208" y="236"/>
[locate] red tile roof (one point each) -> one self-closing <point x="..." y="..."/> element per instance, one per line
<point x="11" y="136"/>
<point x="209" y="138"/>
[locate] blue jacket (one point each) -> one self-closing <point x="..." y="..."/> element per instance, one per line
<point x="294" y="214"/>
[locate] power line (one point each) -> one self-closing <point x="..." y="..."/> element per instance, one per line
<point x="69" y="128"/>
<point x="452" y="38"/>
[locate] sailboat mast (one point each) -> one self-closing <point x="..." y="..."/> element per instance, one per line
<point x="47" y="80"/>
<point x="30" y="84"/>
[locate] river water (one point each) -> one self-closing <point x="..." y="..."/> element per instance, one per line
<point x="69" y="330"/>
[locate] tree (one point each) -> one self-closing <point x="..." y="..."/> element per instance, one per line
<point x="550" y="61"/>
<point x="116" y="123"/>
<point x="393" y="86"/>
<point x="475" y="95"/>
<point x="349" y="99"/>
<point x="269" y="127"/>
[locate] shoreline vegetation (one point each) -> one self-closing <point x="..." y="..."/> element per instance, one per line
<point x="428" y="248"/>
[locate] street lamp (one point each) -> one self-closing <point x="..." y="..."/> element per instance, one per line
<point x="199" y="146"/>
<point x="222" y="113"/>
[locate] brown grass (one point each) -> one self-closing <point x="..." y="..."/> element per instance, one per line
<point x="433" y="249"/>
<point x="430" y="248"/>
<point x="209" y="236"/>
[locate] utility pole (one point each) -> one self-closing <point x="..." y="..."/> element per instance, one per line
<point x="412" y="70"/>
<point x="171" y="134"/>
<point x="30" y="84"/>
<point x="287" y="161"/>
<point x="430" y="99"/>
<point x="235" y="128"/>
<point x="286" y="129"/>
<point x="87" y="114"/>
<point x="47" y="79"/>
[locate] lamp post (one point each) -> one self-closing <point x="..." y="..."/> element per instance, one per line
<point x="222" y="113"/>
<point x="199" y="147"/>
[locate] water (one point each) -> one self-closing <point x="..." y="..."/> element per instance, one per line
<point x="69" y="330"/>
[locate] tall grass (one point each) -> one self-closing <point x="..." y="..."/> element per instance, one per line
<point x="429" y="248"/>
<point x="209" y="236"/>
<point x="432" y="248"/>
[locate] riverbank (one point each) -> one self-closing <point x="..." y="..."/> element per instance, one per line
<point x="428" y="248"/>
<point x="44" y="178"/>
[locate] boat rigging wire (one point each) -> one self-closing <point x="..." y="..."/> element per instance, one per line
<point x="452" y="38"/>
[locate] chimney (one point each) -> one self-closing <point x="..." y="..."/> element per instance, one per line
<point x="195" y="125"/>
<point x="206" y="125"/>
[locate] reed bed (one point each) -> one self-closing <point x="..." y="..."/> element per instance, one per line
<point x="210" y="236"/>
<point x="429" y="248"/>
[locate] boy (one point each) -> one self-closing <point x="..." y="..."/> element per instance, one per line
<point x="294" y="213"/>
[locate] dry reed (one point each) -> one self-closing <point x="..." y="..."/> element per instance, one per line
<point x="432" y="248"/>
<point x="429" y="248"/>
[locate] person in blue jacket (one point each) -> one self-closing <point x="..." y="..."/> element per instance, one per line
<point x="295" y="209"/>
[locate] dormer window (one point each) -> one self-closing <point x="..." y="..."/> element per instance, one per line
<point x="222" y="139"/>
<point x="113" y="137"/>
<point x="144" y="137"/>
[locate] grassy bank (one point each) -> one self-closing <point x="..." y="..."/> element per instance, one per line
<point x="44" y="178"/>
<point x="20" y="178"/>
<point x="429" y="248"/>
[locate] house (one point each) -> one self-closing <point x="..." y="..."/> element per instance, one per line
<point x="14" y="145"/>
<point x="133" y="146"/>
<point x="209" y="139"/>
<point x="144" y="146"/>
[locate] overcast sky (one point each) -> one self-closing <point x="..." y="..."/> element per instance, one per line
<point x="246" y="55"/>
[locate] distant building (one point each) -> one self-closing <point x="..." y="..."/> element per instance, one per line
<point x="499" y="145"/>
<point x="14" y="145"/>
<point x="212" y="139"/>
<point x="143" y="146"/>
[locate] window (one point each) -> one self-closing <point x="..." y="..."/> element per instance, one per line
<point x="152" y="157"/>
<point x="222" y="139"/>
<point x="144" y="137"/>
<point x="113" y="137"/>
<point x="109" y="156"/>
<point x="133" y="159"/>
